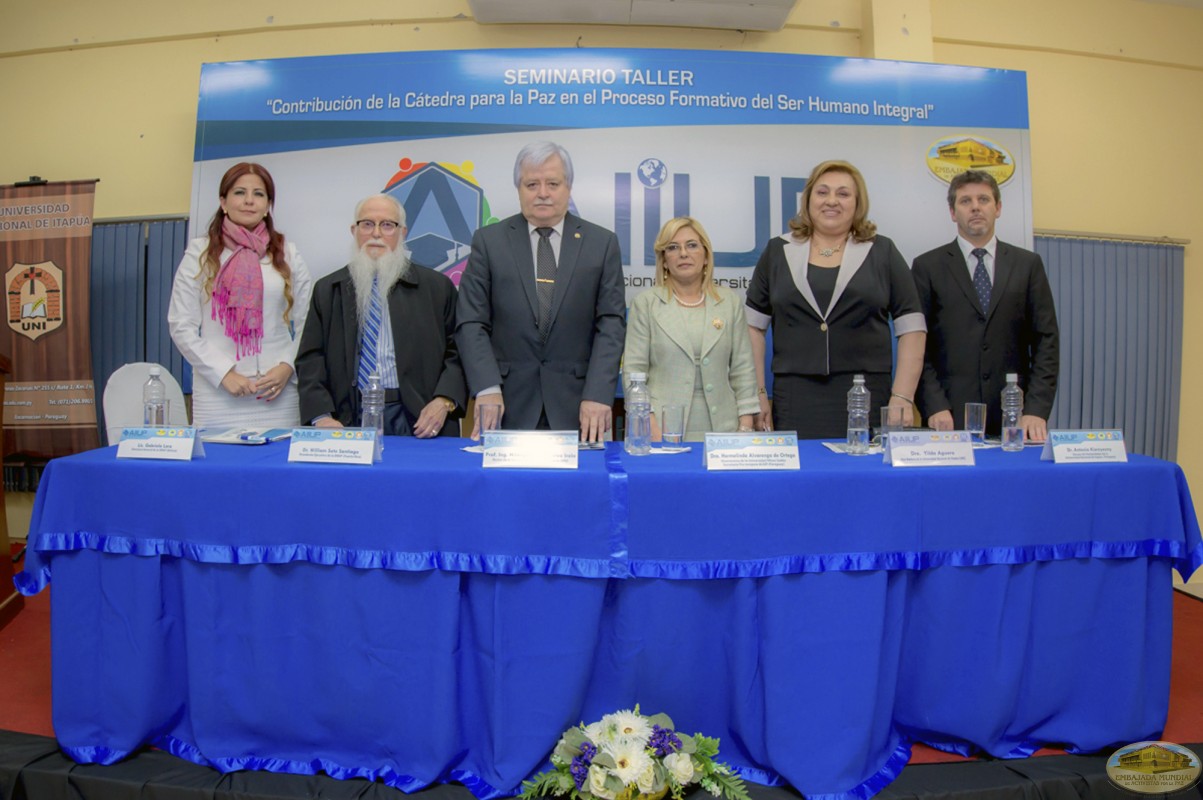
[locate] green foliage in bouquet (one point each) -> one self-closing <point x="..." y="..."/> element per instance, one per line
<point x="626" y="755"/>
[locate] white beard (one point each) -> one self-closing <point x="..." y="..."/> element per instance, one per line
<point x="390" y="267"/>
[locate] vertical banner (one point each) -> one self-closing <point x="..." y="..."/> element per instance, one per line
<point x="45" y="256"/>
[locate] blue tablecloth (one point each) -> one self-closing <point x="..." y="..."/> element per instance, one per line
<point x="426" y="620"/>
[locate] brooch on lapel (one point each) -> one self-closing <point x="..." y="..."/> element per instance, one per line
<point x="717" y="323"/>
<point x="576" y="235"/>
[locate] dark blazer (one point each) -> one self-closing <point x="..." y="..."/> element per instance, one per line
<point x="498" y="322"/>
<point x="421" y="308"/>
<point x="852" y="335"/>
<point x="970" y="350"/>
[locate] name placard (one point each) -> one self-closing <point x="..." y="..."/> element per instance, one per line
<point x="175" y="444"/>
<point x="1085" y="447"/>
<point x="531" y="449"/>
<point x="752" y="450"/>
<point x="929" y="449"/>
<point x="332" y="445"/>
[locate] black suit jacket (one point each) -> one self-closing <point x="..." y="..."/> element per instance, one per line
<point x="498" y="319"/>
<point x="421" y="309"/>
<point x="970" y="350"/>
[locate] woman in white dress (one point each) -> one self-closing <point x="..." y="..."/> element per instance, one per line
<point x="238" y="307"/>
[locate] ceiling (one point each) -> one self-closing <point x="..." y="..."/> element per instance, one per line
<point x="1188" y="3"/>
<point x="747" y="15"/>
<point x="751" y="15"/>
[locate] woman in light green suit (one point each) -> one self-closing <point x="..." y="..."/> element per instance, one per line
<point x="690" y="336"/>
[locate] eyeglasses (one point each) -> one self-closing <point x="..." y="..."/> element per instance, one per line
<point x="674" y="249"/>
<point x="386" y="226"/>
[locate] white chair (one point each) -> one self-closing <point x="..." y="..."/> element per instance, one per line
<point x="123" y="398"/>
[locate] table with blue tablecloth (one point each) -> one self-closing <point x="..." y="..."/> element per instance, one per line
<point x="426" y="620"/>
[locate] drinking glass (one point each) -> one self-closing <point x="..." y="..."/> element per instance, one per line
<point x="975" y="423"/>
<point x="672" y="425"/>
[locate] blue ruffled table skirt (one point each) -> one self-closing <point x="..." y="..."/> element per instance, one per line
<point x="427" y="621"/>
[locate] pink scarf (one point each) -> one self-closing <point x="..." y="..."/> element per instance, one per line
<point x="238" y="289"/>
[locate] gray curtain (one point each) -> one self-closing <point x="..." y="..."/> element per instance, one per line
<point x="132" y="267"/>
<point x="1119" y="307"/>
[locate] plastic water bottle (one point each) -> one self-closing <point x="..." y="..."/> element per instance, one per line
<point x="858" y="416"/>
<point x="373" y="412"/>
<point x="154" y="399"/>
<point x="1012" y="412"/>
<point x="639" y="416"/>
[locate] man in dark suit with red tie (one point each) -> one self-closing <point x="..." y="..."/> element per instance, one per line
<point x="989" y="312"/>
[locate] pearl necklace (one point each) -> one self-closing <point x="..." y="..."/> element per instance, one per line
<point x="695" y="304"/>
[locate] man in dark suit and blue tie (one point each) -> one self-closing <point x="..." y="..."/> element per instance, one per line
<point x="989" y="312"/>
<point x="540" y="319"/>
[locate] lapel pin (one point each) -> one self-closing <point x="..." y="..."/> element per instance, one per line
<point x="576" y="235"/>
<point x="718" y="324"/>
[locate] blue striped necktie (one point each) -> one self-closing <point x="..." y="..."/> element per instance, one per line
<point x="369" y="337"/>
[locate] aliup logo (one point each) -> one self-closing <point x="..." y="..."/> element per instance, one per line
<point x="35" y="298"/>
<point x="652" y="173"/>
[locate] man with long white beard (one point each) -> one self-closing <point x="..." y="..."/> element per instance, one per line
<point x="382" y="314"/>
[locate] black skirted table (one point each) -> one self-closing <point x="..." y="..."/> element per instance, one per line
<point x="425" y="620"/>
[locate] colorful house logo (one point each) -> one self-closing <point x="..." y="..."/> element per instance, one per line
<point x="444" y="205"/>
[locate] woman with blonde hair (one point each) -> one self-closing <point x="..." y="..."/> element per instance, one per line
<point x="690" y="336"/>
<point x="830" y="288"/>
<point x="238" y="307"/>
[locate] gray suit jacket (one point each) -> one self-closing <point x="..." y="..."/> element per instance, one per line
<point x="498" y="322"/>
<point x="657" y="345"/>
<point x="970" y="349"/>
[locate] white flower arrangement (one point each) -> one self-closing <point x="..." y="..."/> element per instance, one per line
<point x="625" y="754"/>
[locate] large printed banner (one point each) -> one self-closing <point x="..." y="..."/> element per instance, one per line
<point x="45" y="255"/>
<point x="728" y="138"/>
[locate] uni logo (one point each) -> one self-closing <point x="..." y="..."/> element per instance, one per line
<point x="35" y="298"/>
<point x="444" y="205"/>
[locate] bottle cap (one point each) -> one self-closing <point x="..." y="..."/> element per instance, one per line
<point x="156" y="371"/>
<point x="858" y="378"/>
<point x="639" y="376"/>
<point x="1012" y="377"/>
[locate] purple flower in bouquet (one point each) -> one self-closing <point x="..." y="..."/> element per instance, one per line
<point x="580" y="771"/>
<point x="663" y="741"/>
